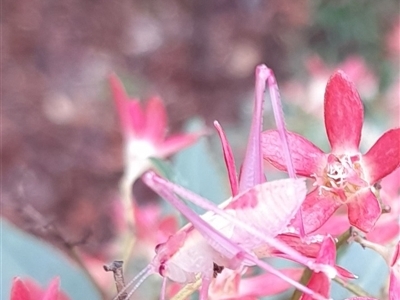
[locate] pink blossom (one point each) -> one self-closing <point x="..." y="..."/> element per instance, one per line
<point x="344" y="176"/>
<point x="28" y="290"/>
<point x="145" y="126"/>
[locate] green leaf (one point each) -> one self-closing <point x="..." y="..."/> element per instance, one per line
<point x="24" y="256"/>
<point x="198" y="171"/>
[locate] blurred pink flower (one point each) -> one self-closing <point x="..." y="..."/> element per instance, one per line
<point x="343" y="176"/>
<point x="392" y="40"/>
<point x="145" y="126"/>
<point x="319" y="72"/>
<point x="28" y="290"/>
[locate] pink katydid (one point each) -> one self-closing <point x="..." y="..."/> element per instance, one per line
<point x="254" y="216"/>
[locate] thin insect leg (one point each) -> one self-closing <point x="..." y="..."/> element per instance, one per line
<point x="205" y="285"/>
<point x="163" y="288"/>
<point x="144" y="273"/>
<point x="252" y="168"/>
<point x="205" y="204"/>
<point x="289" y="280"/>
<point x="141" y="280"/>
<point x="229" y="160"/>
<point x="267" y="74"/>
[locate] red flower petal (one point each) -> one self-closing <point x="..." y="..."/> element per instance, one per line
<point x="319" y="283"/>
<point x="136" y="121"/>
<point x="156" y="120"/>
<point x="255" y="286"/>
<point x="344" y="113"/>
<point x="53" y="291"/>
<point x="177" y="142"/>
<point x="384" y="156"/>
<point x="129" y="111"/>
<point x="363" y="210"/>
<point x="317" y="209"/>
<point x="306" y="156"/>
<point x="19" y="291"/>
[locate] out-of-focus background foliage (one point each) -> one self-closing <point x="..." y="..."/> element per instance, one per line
<point x="61" y="141"/>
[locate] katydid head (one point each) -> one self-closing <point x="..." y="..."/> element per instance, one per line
<point x="163" y="261"/>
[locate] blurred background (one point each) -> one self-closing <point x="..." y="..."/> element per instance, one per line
<point x="61" y="141"/>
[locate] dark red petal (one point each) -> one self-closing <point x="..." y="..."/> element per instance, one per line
<point x="344" y="113"/>
<point x="317" y="209"/>
<point x="129" y="111"/>
<point x="307" y="157"/>
<point x="156" y="120"/>
<point x="319" y="283"/>
<point x="364" y="210"/>
<point x="384" y="156"/>
<point x="327" y="252"/>
<point x="309" y="248"/>
<point x="19" y="291"/>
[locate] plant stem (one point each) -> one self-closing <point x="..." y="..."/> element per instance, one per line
<point x="355" y="289"/>
<point x="305" y="277"/>
<point x="188" y="290"/>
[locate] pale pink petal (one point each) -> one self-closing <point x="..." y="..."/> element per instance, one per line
<point x="53" y="290"/>
<point x="363" y="210"/>
<point x="336" y="225"/>
<point x="267" y="284"/>
<point x="317" y="209"/>
<point x="156" y="120"/>
<point x="19" y="291"/>
<point x="307" y="157"/>
<point x="384" y="156"/>
<point x="344" y="114"/>
<point x="384" y="233"/>
<point x="177" y="142"/>
<point x="129" y="111"/>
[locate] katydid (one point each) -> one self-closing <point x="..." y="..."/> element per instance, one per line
<point x="229" y="235"/>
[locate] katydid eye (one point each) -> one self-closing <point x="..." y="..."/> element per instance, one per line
<point x="157" y="248"/>
<point x="161" y="269"/>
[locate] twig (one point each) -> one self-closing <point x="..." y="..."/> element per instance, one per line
<point x="355" y="289"/>
<point x="116" y="268"/>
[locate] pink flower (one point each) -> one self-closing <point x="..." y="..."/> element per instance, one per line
<point x="344" y="176"/>
<point x="319" y="281"/>
<point x="145" y="127"/>
<point x="29" y="290"/>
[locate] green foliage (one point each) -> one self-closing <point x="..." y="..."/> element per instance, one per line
<point x="25" y="256"/>
<point x="341" y="28"/>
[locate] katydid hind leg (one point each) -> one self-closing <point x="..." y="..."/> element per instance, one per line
<point x="220" y="242"/>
